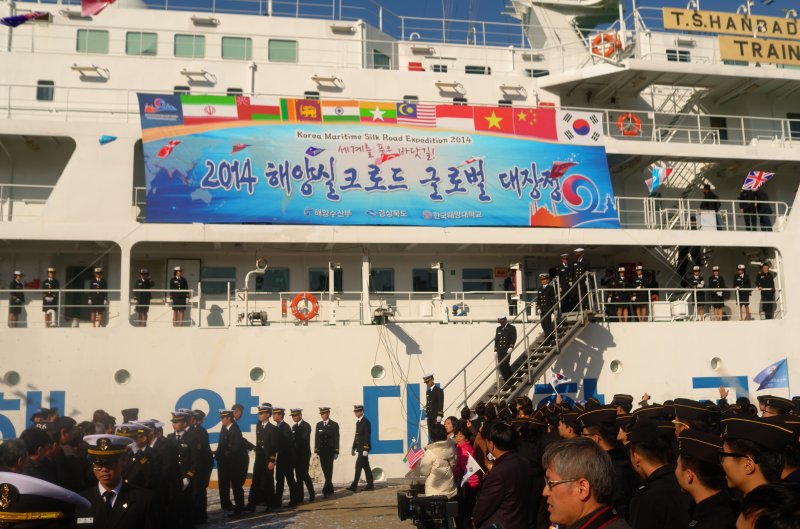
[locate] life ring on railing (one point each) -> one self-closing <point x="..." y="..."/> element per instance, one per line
<point x="605" y="44"/>
<point x="304" y="316"/>
<point x="629" y="124"/>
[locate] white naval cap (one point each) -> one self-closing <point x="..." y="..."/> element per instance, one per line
<point x="30" y="486"/>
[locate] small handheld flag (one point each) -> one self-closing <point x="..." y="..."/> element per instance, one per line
<point x="414" y="454"/>
<point x="472" y="468"/>
<point x="774" y="376"/>
<point x="558" y="378"/>
<point x="756" y="179"/>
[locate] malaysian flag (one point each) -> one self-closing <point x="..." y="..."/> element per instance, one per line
<point x="416" y="115"/>
<point x="414" y="455"/>
<point x="756" y="179"/>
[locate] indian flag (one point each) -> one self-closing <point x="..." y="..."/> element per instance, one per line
<point x="378" y="112"/>
<point x="208" y="109"/>
<point x="340" y="111"/>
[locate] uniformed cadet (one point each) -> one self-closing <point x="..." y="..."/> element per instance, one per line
<point x="16" y="299"/>
<point x="33" y="503"/>
<point x="510" y="286"/>
<point x="741" y="282"/>
<point x="129" y="415"/>
<point x="284" y="464"/>
<point x="765" y="282"/>
<point x="565" y="281"/>
<point x="182" y="507"/>
<point x="639" y="298"/>
<point x="141" y="298"/>
<point x="98" y="297"/>
<point x="623" y="403"/>
<point x="716" y="284"/>
<point x="546" y="307"/>
<point x="505" y="338"/>
<point x="50" y="299"/>
<point x="262" y="490"/>
<point x="580" y="267"/>
<point x="179" y="294"/>
<point x="434" y="402"/>
<point x="231" y="464"/>
<point x="301" y="436"/>
<point x="326" y="445"/>
<point x="775" y="406"/>
<point x="698" y="285"/>
<point x="362" y="444"/>
<point x="139" y="469"/>
<point x="691" y="415"/>
<point x="701" y="476"/>
<point x="199" y="439"/>
<point x="620" y="295"/>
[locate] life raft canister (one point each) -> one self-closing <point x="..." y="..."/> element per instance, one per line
<point x="301" y="315"/>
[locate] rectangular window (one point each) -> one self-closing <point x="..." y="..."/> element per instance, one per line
<point x="190" y="46"/>
<point x="234" y="91"/>
<point x="424" y="280"/>
<point x="381" y="61"/>
<point x="282" y="50"/>
<point x="410" y="99"/>
<point x="216" y="279"/>
<point x="477" y="279"/>
<point x="721" y="126"/>
<point x="439" y="68"/>
<point x="138" y="43"/>
<point x="460" y="101"/>
<point x="318" y="280"/>
<point x="311" y="95"/>
<point x="794" y="125"/>
<point x="731" y="62"/>
<point x="679" y="56"/>
<point x="530" y="72"/>
<point x="92" y="41"/>
<point x="178" y="90"/>
<point x="273" y="280"/>
<point x="478" y="70"/>
<point x="45" y="90"/>
<point x="237" y="48"/>
<point x="381" y="280"/>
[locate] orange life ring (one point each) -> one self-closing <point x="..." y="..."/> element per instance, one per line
<point x="629" y="124"/>
<point x="605" y="44"/>
<point x="304" y="316"/>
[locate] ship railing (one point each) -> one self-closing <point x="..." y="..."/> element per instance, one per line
<point x="160" y="308"/>
<point x="685" y="304"/>
<point x="23" y="201"/>
<point x="657" y="213"/>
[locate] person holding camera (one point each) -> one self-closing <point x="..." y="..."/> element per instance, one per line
<point x="437" y="464"/>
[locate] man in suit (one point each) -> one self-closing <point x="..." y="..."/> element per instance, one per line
<point x="505" y="337"/>
<point x="200" y="444"/>
<point x="361" y="447"/>
<point x="301" y="436"/>
<point x="326" y="445"/>
<point x="231" y="463"/>
<point x="262" y="490"/>
<point x="114" y="503"/>
<point x="187" y="464"/>
<point x="284" y="466"/>
<point x="434" y="402"/>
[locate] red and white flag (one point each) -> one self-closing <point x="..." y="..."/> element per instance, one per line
<point x="386" y="157"/>
<point x="90" y="8"/>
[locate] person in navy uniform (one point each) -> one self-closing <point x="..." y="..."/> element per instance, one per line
<point x="361" y="447"/>
<point x="765" y="282"/>
<point x="434" y="402"/>
<point x="50" y="287"/>
<point x="98" y="298"/>
<point x="139" y="469"/>
<point x="179" y="294"/>
<point x="231" y="464"/>
<point x="262" y="490"/>
<point x="581" y="266"/>
<point x="639" y="297"/>
<point x="763" y="209"/>
<point x="301" y="437"/>
<point x="565" y="282"/>
<point x="505" y="337"/>
<point x="284" y="465"/>
<point x="620" y="295"/>
<point x="181" y="506"/>
<point x="16" y="299"/>
<point x="141" y="298"/>
<point x="545" y="301"/>
<point x="510" y="286"/>
<point x="716" y="284"/>
<point x="747" y="207"/>
<point x="198" y="436"/>
<point x="326" y="445"/>
<point x="741" y="282"/>
<point x="114" y="503"/>
<point x="697" y="284"/>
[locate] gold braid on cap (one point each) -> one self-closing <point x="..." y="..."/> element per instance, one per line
<point x="16" y="517"/>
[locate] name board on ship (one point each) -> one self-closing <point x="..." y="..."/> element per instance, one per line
<point x="759" y="50"/>
<point x="730" y="23"/>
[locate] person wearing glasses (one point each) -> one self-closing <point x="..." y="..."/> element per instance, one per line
<point x="579" y="485"/>
<point x="752" y="451"/>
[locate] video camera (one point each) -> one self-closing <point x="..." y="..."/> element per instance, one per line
<point x="428" y="512"/>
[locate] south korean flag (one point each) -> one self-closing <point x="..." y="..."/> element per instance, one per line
<point x="581" y="128"/>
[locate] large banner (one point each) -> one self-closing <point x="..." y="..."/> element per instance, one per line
<point x="218" y="159"/>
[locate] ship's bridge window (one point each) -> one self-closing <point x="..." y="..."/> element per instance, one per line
<point x="478" y="70"/>
<point x="237" y="48"/>
<point x="477" y="279"/>
<point x="439" y="68"/>
<point x="531" y="72"/>
<point x="140" y="43"/>
<point x="318" y="280"/>
<point x="273" y="280"/>
<point x="424" y="280"/>
<point x="679" y="56"/>
<point x="381" y="280"/>
<point x="45" y="90"/>
<point x="215" y="279"/>
<point x="282" y="50"/>
<point x="92" y="41"/>
<point x="191" y="46"/>
<point x="794" y="125"/>
<point x="381" y="61"/>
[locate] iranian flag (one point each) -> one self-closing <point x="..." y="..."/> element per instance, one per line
<point x="198" y="110"/>
<point x="340" y="112"/>
<point x="258" y="108"/>
<point x="455" y="117"/>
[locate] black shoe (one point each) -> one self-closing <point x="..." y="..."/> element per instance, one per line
<point x="352" y="488"/>
<point x="250" y="508"/>
<point x="292" y="504"/>
<point x="369" y="487"/>
<point x="311" y="497"/>
<point x="227" y="507"/>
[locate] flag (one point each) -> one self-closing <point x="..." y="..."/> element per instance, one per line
<point x="455" y="117"/>
<point x="239" y="147"/>
<point x="774" y="376"/>
<point x="258" y="108"/>
<point x="18" y="20"/>
<point x="340" y="112"/>
<point x="494" y="119"/>
<point x="660" y="174"/>
<point x="470" y="161"/>
<point x="90" y="8"/>
<point x="416" y="115"/>
<point x="471" y="468"/>
<point x="105" y="138"/>
<point x="536" y="123"/>
<point x="313" y="151"/>
<point x="582" y="128"/>
<point x="378" y="112"/>
<point x="308" y="110"/>
<point x="560" y="168"/>
<point x="756" y="179"/>
<point x="288" y="110"/>
<point x="386" y="157"/>
<point x="558" y="378"/>
<point x="414" y="454"/>
<point x="198" y="110"/>
<point x="166" y="150"/>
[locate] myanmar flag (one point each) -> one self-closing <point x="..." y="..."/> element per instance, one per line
<point x="208" y="109"/>
<point x="258" y="108"/>
<point x="494" y="119"/>
<point x="378" y="112"/>
<point x="536" y="123"/>
<point x="340" y="112"/>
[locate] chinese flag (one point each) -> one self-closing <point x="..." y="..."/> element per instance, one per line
<point x="536" y="123"/>
<point x="494" y="119"/>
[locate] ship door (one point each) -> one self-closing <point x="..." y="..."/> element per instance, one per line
<point x="78" y="278"/>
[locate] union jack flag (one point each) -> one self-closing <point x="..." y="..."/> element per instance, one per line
<point x="756" y="179"/>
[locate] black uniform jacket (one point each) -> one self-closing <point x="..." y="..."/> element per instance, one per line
<point x="134" y="508"/>
<point x="326" y="438"/>
<point x="434" y="403"/>
<point x="301" y="436"/>
<point x="713" y="513"/>
<point x="659" y="503"/>
<point x="362" y="440"/>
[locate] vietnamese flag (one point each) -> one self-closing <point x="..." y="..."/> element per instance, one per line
<point x="495" y="119"/>
<point x="536" y="123"/>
